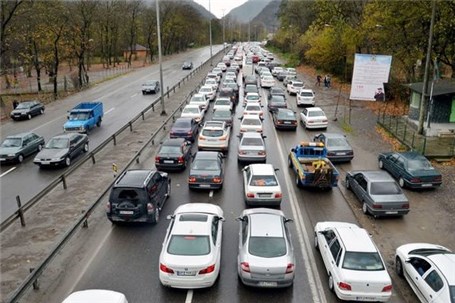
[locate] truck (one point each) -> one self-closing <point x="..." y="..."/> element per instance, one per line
<point x="311" y="166"/>
<point x="83" y="117"/>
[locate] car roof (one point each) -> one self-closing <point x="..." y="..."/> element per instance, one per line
<point x="184" y="119"/>
<point x="199" y="208"/>
<point x="190" y="105"/>
<point x="262" y="169"/>
<point x="313" y="109"/>
<point x="198" y="95"/>
<point x="412" y="155"/>
<point x="206" y="155"/>
<point x="446" y="263"/>
<point x="134" y="178"/>
<point x="282" y="110"/>
<point x="356" y="239"/>
<point x="174" y="142"/>
<point x="265" y="222"/>
<point x="306" y="90"/>
<point x="185" y="224"/>
<point x="252" y="117"/>
<point x="20" y="135"/>
<point x="376" y="175"/>
<point x="334" y="135"/>
<point x="251" y="135"/>
<point x="95" y="295"/>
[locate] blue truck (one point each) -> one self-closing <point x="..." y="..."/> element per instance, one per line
<point x="83" y="117"/>
<point x="312" y="167"/>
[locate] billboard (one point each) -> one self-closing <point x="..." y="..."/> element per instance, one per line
<point x="369" y="75"/>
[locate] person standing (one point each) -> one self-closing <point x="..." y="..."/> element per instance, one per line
<point x="325" y="81"/>
<point x="318" y="80"/>
<point x="15" y="104"/>
<point x="328" y="81"/>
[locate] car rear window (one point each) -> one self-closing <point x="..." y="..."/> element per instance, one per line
<point x="182" y="123"/>
<point x="206" y="165"/>
<point x="222" y="113"/>
<point x="286" y="115"/>
<point x="126" y="194"/>
<point x="253" y="108"/>
<point x="189" y="245"/>
<point x="170" y="149"/>
<point x="419" y="164"/>
<point x="212" y="132"/>
<point x="366" y="261"/>
<point x="339" y="142"/>
<point x="306" y="94"/>
<point x="252" y="142"/>
<point x="384" y="188"/>
<point x="317" y="113"/>
<point x="251" y="122"/>
<point x="267" y="180"/>
<point x="192" y="110"/>
<point x="267" y="247"/>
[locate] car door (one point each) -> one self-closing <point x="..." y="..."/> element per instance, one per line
<point x="432" y="286"/>
<point x="416" y="268"/>
<point x="391" y="164"/>
<point x="325" y="238"/>
<point x="216" y="238"/>
<point x="356" y="187"/>
<point x="243" y="236"/>
<point x="246" y="178"/>
<point x="73" y="150"/>
<point x="29" y="145"/>
<point x="334" y="257"/>
<point x="158" y="188"/>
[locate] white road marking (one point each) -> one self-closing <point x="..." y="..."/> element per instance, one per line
<point x="107" y="112"/>
<point x="133" y="95"/>
<point x="317" y="291"/>
<point x="211" y="194"/>
<point x="8" y="171"/>
<point x="189" y="296"/>
<point x="49" y="122"/>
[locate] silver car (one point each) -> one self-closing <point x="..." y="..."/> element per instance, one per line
<point x="252" y="148"/>
<point x="266" y="256"/>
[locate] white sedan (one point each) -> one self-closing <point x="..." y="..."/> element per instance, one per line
<point x="208" y="91"/>
<point x="267" y="81"/>
<point x="193" y="111"/>
<point x="212" y="82"/>
<point x="429" y="270"/>
<point x="294" y="86"/>
<point x="251" y="123"/>
<point x="201" y="100"/>
<point x="313" y="117"/>
<point x="251" y="97"/>
<point x="223" y="102"/>
<point x="261" y="186"/>
<point x="253" y="108"/>
<point x="355" y="268"/>
<point x="191" y="253"/>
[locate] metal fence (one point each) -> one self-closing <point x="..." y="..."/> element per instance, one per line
<point x="406" y="133"/>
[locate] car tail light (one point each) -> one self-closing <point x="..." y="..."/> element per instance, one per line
<point x="387" y="288"/>
<point x="191" y="179"/>
<point x="278" y="195"/>
<point x="344" y="286"/>
<point x="223" y="138"/>
<point x="190" y="133"/>
<point x="405" y="205"/>
<point x="108" y="207"/>
<point x="259" y="130"/>
<point x="181" y="160"/>
<point x="150" y="208"/>
<point x="261" y="153"/>
<point x="290" y="268"/>
<point x="207" y="270"/>
<point x="250" y="195"/>
<point x="245" y="266"/>
<point x="325" y="120"/>
<point x="415" y="180"/>
<point x="157" y="159"/>
<point x="437" y="179"/>
<point x="279" y="122"/>
<point x="217" y="180"/>
<point x="376" y="206"/>
<point x="294" y="122"/>
<point x="242" y="130"/>
<point x="166" y="269"/>
<point x="242" y="152"/>
<point x="202" y="138"/>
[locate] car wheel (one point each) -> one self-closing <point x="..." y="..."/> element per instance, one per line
<point x="316" y="245"/>
<point x="398" y="266"/>
<point x="41" y="111"/>
<point x="143" y="93"/>
<point x="297" y="180"/>
<point x="348" y="185"/>
<point x="29" y="116"/>
<point x="85" y="147"/>
<point x="289" y="162"/>
<point x="365" y="208"/>
<point x="40" y="147"/>
<point x="20" y="158"/>
<point x="401" y="182"/>
<point x="381" y="164"/>
<point x="331" y="282"/>
<point x="68" y="161"/>
<point x="168" y="193"/>
<point x="156" y="217"/>
<point x="98" y="123"/>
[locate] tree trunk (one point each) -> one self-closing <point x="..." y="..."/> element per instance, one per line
<point x="37" y="65"/>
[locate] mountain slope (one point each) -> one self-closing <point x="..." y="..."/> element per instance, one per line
<point x="247" y="11"/>
<point x="269" y="16"/>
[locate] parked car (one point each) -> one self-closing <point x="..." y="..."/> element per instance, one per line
<point x="305" y="97"/>
<point x="294" y="86"/>
<point x="251" y="148"/>
<point x="313" y="117"/>
<point x="207" y="171"/>
<point x="411" y="169"/>
<point x="186" y="128"/>
<point x="251" y="123"/>
<point x="276" y="91"/>
<point x="354" y="265"/>
<point x="253" y="108"/>
<point x="378" y="192"/>
<point x="16" y="147"/>
<point x="284" y="118"/>
<point x="201" y="100"/>
<point x="151" y="87"/>
<point x="174" y="154"/>
<point x="193" y="111"/>
<point x="187" y="65"/>
<point x="214" y="137"/>
<point x="191" y="252"/>
<point x="62" y="149"/>
<point x="428" y="268"/>
<point x="338" y="147"/>
<point x="26" y="110"/>
<point x="138" y="195"/>
<point x="266" y="255"/>
<point x="223" y="115"/>
<point x="267" y="81"/>
<point x="95" y="296"/>
<point x="261" y="185"/>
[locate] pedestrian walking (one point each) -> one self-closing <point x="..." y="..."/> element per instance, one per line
<point x="328" y="81"/>
<point x="318" y="80"/>
<point x="15" y="104"/>
<point x="325" y="81"/>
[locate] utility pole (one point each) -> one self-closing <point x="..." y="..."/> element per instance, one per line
<point x="163" y="111"/>
<point x="210" y="33"/>
<point x="224" y="36"/>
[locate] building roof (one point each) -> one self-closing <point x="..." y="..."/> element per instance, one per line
<point x="441" y="87"/>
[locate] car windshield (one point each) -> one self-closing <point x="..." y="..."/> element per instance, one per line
<point x="201" y="164"/>
<point x="212" y="132"/>
<point x="251" y="142"/>
<point x="12" y="142"/>
<point x="419" y="164"/>
<point x="191" y="110"/>
<point x="57" y="143"/>
<point x="367" y="261"/>
<point x="189" y="245"/>
<point x="182" y="124"/>
<point x="252" y="97"/>
<point x="316" y="113"/>
<point x="149" y="83"/>
<point x="205" y="90"/>
<point x="222" y="114"/>
<point x="339" y="142"/>
<point x="170" y="149"/>
<point x="251" y="122"/>
<point x="267" y="180"/>
<point x="24" y="105"/>
<point x="267" y="247"/>
<point x="78" y="116"/>
<point x="384" y="188"/>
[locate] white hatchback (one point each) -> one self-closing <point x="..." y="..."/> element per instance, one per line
<point x="261" y="186"/>
<point x="313" y="117"/>
<point x="305" y="97"/>
<point x="251" y="123"/>
<point x="294" y="86"/>
<point x="355" y="268"/>
<point x="193" y="111"/>
<point x="214" y="137"/>
<point x="191" y="253"/>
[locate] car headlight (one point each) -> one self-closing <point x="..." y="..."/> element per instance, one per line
<point x="11" y="155"/>
<point x="57" y="159"/>
<point x="36" y="160"/>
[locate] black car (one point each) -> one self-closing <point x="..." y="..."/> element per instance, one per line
<point x="174" y="154"/>
<point x="276" y="91"/>
<point x="250" y="88"/>
<point x="186" y="128"/>
<point x="138" y="195"/>
<point x="187" y="65"/>
<point x="251" y="79"/>
<point x="281" y="76"/>
<point x="151" y="87"/>
<point x="276" y="102"/>
<point x="61" y="149"/>
<point x="14" y="148"/>
<point x="27" y="109"/>
<point x="284" y="118"/>
<point x="207" y="171"/>
<point x="229" y="93"/>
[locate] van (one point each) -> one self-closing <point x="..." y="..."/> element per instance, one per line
<point x="247" y="70"/>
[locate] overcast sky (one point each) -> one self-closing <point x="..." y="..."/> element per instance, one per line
<point x="217" y="6"/>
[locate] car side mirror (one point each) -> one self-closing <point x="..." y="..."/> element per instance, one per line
<point x="239" y="219"/>
<point x="169" y="217"/>
<point x="277" y="169"/>
<point x="288" y="220"/>
<point x="263" y="137"/>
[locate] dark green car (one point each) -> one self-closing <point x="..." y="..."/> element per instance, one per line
<point x="15" y="148"/>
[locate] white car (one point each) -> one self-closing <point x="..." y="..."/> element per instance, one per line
<point x="305" y="97"/>
<point x="201" y="100"/>
<point x="429" y="270"/>
<point x="276" y="70"/>
<point x="231" y="75"/>
<point x="253" y="108"/>
<point x="251" y="97"/>
<point x="214" y="137"/>
<point x="294" y="86"/>
<point x="95" y="296"/>
<point x="355" y="268"/>
<point x="212" y="82"/>
<point x="217" y="71"/>
<point x="208" y="91"/>
<point x="193" y="111"/>
<point x="222" y="66"/>
<point x="214" y="76"/>
<point x="291" y="71"/>
<point x="313" y="117"/>
<point x="223" y="102"/>
<point x="251" y="123"/>
<point x="267" y="81"/>
<point x="261" y="186"/>
<point x="251" y="148"/>
<point x="191" y="253"/>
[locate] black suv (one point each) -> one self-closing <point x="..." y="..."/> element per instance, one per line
<point x="138" y="196"/>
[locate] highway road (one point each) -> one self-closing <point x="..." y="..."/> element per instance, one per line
<point x="122" y="99"/>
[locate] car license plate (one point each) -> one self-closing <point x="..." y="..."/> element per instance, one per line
<point x="341" y="154"/>
<point x="427" y="185"/>
<point x="267" y="284"/>
<point x="391" y="212"/>
<point x="168" y="161"/>
<point x="2" y="159"/>
<point x="186" y="273"/>
<point x="126" y="212"/>
<point x="45" y="162"/>
<point x="287" y="122"/>
<point x="204" y="185"/>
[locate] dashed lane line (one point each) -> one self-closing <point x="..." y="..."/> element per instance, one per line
<point x="8" y="171"/>
<point x="189" y="296"/>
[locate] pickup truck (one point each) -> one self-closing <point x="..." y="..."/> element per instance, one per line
<point x="83" y="117"/>
<point x="312" y="167"/>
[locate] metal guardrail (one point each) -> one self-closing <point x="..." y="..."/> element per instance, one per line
<point x="82" y="221"/>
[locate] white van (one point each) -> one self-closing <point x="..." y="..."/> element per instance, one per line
<point x="96" y="296"/>
<point x="247" y="70"/>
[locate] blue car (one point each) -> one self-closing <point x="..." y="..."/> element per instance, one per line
<point x="411" y="169"/>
